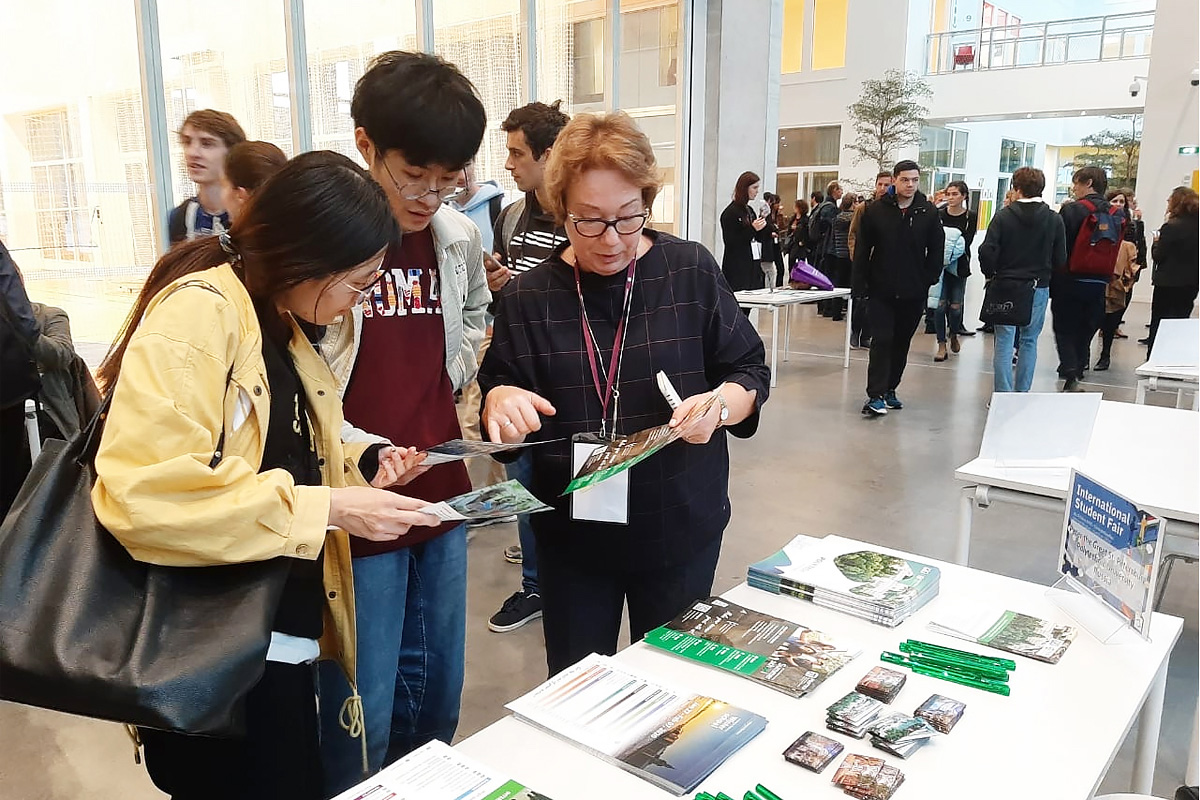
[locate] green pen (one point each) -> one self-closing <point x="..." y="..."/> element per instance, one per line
<point x="704" y="796"/>
<point x="750" y="796"/>
<point x="962" y="665"/>
<point x="723" y="796"/>
<point x="947" y="674"/>
<point x="766" y="793"/>
<point x="913" y="646"/>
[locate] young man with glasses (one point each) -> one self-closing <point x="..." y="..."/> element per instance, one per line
<point x="399" y="358"/>
<point x="526" y="235"/>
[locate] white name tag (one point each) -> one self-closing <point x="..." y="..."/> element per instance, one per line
<point x="607" y="501"/>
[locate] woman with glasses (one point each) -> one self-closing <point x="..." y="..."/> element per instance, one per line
<point x="218" y="350"/>
<point x="578" y="343"/>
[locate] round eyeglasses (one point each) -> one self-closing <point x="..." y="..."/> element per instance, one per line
<point x="595" y="228"/>
<point x="417" y="191"/>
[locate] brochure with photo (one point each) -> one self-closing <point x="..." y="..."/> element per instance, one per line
<point x="460" y="449"/>
<point x="784" y="655"/>
<point x="625" y="451"/>
<point x="670" y="737"/>
<point x="438" y="772"/>
<point x="1007" y="630"/>
<point x="491" y="502"/>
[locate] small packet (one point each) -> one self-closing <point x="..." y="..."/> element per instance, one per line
<point x="813" y="751"/>
<point x="882" y="683"/>
<point x="942" y="712"/>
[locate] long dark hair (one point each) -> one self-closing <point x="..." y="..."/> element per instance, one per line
<point x="320" y="215"/>
<point x="741" y="190"/>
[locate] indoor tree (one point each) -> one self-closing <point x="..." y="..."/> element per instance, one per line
<point x="888" y="116"/>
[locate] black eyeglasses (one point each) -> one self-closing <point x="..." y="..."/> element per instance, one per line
<point x="595" y="228"/>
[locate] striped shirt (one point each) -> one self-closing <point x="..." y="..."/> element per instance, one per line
<point x="534" y="234"/>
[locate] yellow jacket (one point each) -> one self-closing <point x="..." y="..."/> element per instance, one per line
<point x="154" y="489"/>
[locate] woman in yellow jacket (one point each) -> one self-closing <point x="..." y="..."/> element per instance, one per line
<point x="219" y="344"/>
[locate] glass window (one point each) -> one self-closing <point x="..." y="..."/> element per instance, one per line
<point x="1014" y="155"/>
<point x="959" y="158"/>
<point x="829" y="34"/>
<point x="935" y="147"/>
<point x="649" y="76"/>
<point x="227" y="67"/>
<point x="570" y="48"/>
<point x="793" y="35"/>
<point x="340" y="48"/>
<point x="483" y="38"/>
<point x="808" y="147"/>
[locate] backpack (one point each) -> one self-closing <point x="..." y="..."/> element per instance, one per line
<point x="495" y="205"/>
<point x="506" y="223"/>
<point x="818" y="225"/>
<point x="1098" y="242"/>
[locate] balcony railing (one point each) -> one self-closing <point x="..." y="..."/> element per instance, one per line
<point x="1038" y="44"/>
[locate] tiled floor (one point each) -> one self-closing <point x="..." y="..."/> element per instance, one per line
<point x="816" y="466"/>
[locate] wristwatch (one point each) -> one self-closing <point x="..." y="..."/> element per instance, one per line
<point x="724" y="407"/>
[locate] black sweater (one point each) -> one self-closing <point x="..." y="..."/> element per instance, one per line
<point x="1025" y="241"/>
<point x="1177" y="253"/>
<point x="898" y="252"/>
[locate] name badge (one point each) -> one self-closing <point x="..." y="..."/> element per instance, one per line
<point x="607" y="501"/>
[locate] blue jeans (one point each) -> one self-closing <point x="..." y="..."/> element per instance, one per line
<point x="947" y="317"/>
<point x="1026" y="345"/>
<point x="411" y="612"/>
<point x="522" y="470"/>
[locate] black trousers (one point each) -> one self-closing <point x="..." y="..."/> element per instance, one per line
<point x="278" y="757"/>
<point x="1169" y="302"/>
<point x="1108" y="331"/>
<point x="893" y="323"/>
<point x="582" y="605"/>
<point x="1078" y="309"/>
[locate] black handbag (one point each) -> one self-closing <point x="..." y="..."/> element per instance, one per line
<point x="1008" y="301"/>
<point x="86" y="629"/>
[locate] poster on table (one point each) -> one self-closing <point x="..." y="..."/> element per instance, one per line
<point x="1110" y="549"/>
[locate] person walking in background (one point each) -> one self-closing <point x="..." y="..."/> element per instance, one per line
<point x="206" y="137"/>
<point x="1176" y="258"/>
<point x="771" y="260"/>
<point x="1114" y="300"/>
<point x="1135" y="232"/>
<point x="820" y="235"/>
<point x="247" y="166"/>
<point x="1094" y="235"/>
<point x="741" y="228"/>
<point x="1025" y="242"/>
<point x="948" y="316"/>
<point x="860" y="333"/>
<point x="797" y="236"/>
<point x="897" y="257"/>
<point x="841" y="249"/>
<point x="526" y="235"/>
<point x="779" y="234"/>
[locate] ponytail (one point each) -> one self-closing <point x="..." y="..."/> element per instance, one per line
<point x="183" y="259"/>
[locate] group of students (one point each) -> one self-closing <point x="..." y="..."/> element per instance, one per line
<point x="314" y="321"/>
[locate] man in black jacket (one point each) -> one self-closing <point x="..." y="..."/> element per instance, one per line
<point x="1077" y="301"/>
<point x="897" y="257"/>
<point x="1025" y="243"/>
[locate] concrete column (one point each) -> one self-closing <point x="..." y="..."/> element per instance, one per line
<point x="1171" y="115"/>
<point x="738" y="77"/>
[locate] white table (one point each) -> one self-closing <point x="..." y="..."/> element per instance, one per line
<point x="786" y="298"/>
<point x="1174" y="366"/>
<point x="1055" y="737"/>
<point x="1146" y="453"/>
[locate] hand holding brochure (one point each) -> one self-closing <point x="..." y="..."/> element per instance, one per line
<point x="670" y="737"/>
<point x="461" y="449"/>
<point x="626" y="451"/>
<point x="491" y="502"/>
<point x="438" y="772"/>
<point x="1007" y="630"/>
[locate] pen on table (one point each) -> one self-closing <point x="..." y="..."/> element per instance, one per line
<point x="961" y="664"/>
<point x="948" y="674"/>
<point x="766" y="793"/>
<point x="912" y="645"/>
<point x="704" y="796"/>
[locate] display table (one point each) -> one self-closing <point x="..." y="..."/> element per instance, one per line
<point x="1055" y="737"/>
<point x="786" y="298"/>
<point x="1174" y="366"/>
<point x="1146" y="453"/>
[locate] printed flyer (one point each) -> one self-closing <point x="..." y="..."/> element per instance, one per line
<point x="1110" y="549"/>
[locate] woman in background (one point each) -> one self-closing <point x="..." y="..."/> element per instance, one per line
<point x="947" y="318"/>
<point x="1176" y="253"/>
<point x="247" y="166"/>
<point x="739" y="227"/>
<point x="797" y="228"/>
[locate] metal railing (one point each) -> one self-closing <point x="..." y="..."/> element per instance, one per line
<point x="1037" y="44"/>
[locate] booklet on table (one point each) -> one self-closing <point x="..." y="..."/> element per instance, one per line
<point x="1007" y="630"/>
<point x="439" y="772"/>
<point x="786" y="656"/>
<point x="671" y="737"/>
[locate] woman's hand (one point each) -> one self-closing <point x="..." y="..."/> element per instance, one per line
<point x="376" y="515"/>
<point x="759" y="223"/>
<point x="700" y="429"/>
<point x="398" y="466"/>
<point x="510" y="414"/>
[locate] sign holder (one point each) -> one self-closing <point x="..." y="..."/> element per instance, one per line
<point x="1108" y="562"/>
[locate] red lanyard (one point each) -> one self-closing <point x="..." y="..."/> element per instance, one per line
<point x="606" y="394"/>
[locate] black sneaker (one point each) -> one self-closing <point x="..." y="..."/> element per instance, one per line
<point x="516" y="611"/>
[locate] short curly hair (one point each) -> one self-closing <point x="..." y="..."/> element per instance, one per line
<point x="540" y="123"/>
<point x="600" y="141"/>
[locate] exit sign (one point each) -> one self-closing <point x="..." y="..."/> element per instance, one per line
<point x="1189" y="151"/>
